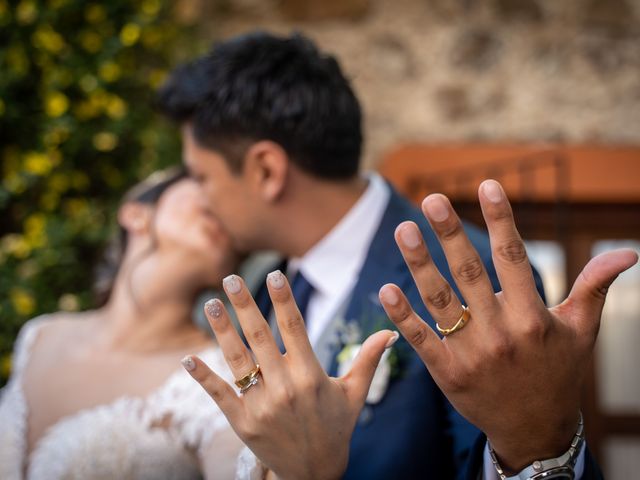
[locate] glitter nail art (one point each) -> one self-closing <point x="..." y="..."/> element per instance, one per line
<point x="189" y="363"/>
<point x="276" y="279"/>
<point x="214" y="307"/>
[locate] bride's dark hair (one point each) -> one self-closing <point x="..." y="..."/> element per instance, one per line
<point x="148" y="192"/>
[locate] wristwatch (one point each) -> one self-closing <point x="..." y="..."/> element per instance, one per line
<point x="560" y="468"/>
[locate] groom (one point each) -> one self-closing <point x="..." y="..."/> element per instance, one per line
<point x="272" y="130"/>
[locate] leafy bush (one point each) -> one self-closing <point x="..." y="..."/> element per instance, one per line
<point x="77" y="128"/>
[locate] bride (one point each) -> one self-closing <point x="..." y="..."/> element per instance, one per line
<point x="97" y="394"/>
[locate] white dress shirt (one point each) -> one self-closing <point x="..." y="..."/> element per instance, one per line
<point x="332" y="265"/>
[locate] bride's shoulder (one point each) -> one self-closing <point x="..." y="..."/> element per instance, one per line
<point x="50" y="330"/>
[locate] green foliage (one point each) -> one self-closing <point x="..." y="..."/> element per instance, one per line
<point x="77" y="127"/>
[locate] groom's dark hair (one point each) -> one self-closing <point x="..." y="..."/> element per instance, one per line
<point x="259" y="86"/>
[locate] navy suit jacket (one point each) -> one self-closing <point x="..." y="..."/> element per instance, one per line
<point x="413" y="432"/>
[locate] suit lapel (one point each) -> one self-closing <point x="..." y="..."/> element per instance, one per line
<point x="383" y="264"/>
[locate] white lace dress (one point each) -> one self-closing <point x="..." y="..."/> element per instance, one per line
<point x="116" y="440"/>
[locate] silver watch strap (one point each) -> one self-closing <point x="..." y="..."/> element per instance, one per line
<point x="560" y="467"/>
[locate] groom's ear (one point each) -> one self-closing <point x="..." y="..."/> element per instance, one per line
<point x="266" y="166"/>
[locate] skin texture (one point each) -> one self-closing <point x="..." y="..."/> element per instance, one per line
<point x="515" y="370"/>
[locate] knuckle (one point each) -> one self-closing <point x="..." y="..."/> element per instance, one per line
<point x="284" y="398"/>
<point x="310" y="386"/>
<point x="470" y="270"/>
<point x="236" y="360"/>
<point x="440" y="299"/>
<point x="402" y="314"/>
<point x="242" y="300"/>
<point x="450" y="230"/>
<point x="418" y="335"/>
<point x="502" y="349"/>
<point x="418" y="261"/>
<point x="458" y="381"/>
<point x="294" y="325"/>
<point x="535" y="330"/>
<point x="259" y="336"/>
<point x="513" y="251"/>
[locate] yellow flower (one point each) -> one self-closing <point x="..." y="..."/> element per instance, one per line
<point x="35" y="227"/>
<point x="69" y="302"/>
<point x="56" y="104"/>
<point x="23" y="302"/>
<point x="129" y="34"/>
<point x="55" y="4"/>
<point x="14" y="183"/>
<point x="5" y="365"/>
<point x="152" y="37"/>
<point x="86" y="110"/>
<point x="76" y="207"/>
<point x="151" y="7"/>
<point x="105" y="141"/>
<point x="26" y="12"/>
<point x="88" y="83"/>
<point x="109" y="72"/>
<point x="17" y="60"/>
<point x="37" y="163"/>
<point x="48" y="39"/>
<point x="59" y="182"/>
<point x="116" y="107"/>
<point x="157" y="78"/>
<point x="95" y="13"/>
<point x="90" y="41"/>
<point x="15" y="244"/>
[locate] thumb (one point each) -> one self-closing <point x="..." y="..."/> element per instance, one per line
<point x="589" y="291"/>
<point x="358" y="380"/>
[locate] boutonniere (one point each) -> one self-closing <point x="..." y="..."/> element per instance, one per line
<point x="351" y="334"/>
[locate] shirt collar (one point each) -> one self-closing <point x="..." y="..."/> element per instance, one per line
<point x="332" y="264"/>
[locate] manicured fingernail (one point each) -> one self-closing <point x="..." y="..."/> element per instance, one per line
<point x="388" y="295"/>
<point x="392" y="339"/>
<point x="232" y="284"/>
<point x="188" y="363"/>
<point x="493" y="191"/>
<point x="276" y="279"/>
<point x="410" y="236"/>
<point x="437" y="208"/>
<point x="214" y="308"/>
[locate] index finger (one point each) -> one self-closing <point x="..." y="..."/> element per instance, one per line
<point x="290" y="321"/>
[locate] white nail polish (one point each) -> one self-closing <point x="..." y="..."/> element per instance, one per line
<point x="276" y="279"/>
<point x="188" y="363"/>
<point x="232" y="284"/>
<point x="214" y="308"/>
<point x="392" y="339"/>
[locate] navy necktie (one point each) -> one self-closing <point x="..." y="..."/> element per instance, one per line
<point x="302" y="291"/>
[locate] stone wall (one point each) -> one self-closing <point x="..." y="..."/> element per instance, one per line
<point x="562" y="71"/>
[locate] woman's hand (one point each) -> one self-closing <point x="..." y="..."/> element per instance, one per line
<point x="516" y="368"/>
<point x="296" y="419"/>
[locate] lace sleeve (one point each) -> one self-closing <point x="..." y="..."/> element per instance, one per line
<point x="195" y="418"/>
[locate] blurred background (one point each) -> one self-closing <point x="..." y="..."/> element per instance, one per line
<point x="543" y="95"/>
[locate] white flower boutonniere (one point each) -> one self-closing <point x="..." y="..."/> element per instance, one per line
<point x="381" y="378"/>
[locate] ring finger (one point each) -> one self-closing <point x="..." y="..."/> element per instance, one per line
<point x="437" y="295"/>
<point x="235" y="352"/>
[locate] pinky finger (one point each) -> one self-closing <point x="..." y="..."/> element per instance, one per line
<point x="219" y="390"/>
<point x="417" y="332"/>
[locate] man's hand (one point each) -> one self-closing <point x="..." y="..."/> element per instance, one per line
<point x="516" y="368"/>
<point x="296" y="419"/>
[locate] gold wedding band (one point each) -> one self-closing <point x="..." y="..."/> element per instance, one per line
<point x="462" y="321"/>
<point x="249" y="380"/>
